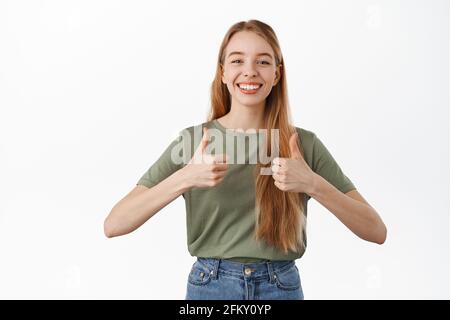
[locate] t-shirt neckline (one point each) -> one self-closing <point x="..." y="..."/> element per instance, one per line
<point x="230" y="130"/>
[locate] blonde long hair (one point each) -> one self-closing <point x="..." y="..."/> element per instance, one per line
<point x="280" y="216"/>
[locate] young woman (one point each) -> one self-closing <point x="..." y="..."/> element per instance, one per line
<point x="247" y="227"/>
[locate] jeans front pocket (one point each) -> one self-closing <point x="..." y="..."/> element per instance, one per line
<point x="288" y="279"/>
<point x="200" y="274"/>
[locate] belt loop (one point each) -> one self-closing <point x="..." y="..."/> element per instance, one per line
<point x="270" y="271"/>
<point x="215" y="268"/>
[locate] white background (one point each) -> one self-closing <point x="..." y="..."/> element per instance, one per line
<point x="92" y="92"/>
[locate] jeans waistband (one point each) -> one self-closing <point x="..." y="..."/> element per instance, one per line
<point x="250" y="269"/>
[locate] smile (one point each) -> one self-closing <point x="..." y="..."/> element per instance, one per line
<point x="249" y="88"/>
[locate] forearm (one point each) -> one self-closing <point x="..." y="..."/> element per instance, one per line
<point x="130" y="213"/>
<point x="359" y="217"/>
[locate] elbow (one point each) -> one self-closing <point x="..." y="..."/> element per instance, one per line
<point x="114" y="225"/>
<point x="110" y="228"/>
<point x="380" y="240"/>
<point x="381" y="234"/>
<point x="376" y="234"/>
<point x="383" y="238"/>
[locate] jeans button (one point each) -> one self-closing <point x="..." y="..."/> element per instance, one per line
<point x="247" y="271"/>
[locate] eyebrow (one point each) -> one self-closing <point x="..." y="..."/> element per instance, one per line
<point x="258" y="54"/>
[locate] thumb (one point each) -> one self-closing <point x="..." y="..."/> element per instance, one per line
<point x="293" y="146"/>
<point x="198" y="154"/>
<point x="204" y="142"/>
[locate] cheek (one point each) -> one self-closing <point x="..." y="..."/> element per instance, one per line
<point x="269" y="77"/>
<point x="231" y="88"/>
<point x="230" y="79"/>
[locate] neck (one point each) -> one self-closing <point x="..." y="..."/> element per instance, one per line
<point x="244" y="117"/>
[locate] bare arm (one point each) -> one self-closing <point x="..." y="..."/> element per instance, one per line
<point x="294" y="175"/>
<point x="142" y="203"/>
<point x="351" y="209"/>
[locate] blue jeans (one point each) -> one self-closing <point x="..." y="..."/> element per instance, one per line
<point x="218" y="279"/>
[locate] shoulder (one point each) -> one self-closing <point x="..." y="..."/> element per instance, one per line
<point x="307" y="137"/>
<point x="196" y="128"/>
<point x="193" y="134"/>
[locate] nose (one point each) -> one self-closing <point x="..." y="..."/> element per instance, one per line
<point x="250" y="71"/>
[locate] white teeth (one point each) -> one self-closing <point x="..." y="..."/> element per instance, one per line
<point x="248" y="87"/>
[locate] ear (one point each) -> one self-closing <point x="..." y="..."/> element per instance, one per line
<point x="223" y="74"/>
<point x="277" y="75"/>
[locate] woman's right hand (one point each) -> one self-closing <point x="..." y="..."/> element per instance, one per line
<point x="205" y="170"/>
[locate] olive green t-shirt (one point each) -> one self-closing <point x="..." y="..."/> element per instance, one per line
<point x="220" y="220"/>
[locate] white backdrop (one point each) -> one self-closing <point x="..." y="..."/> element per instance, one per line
<point x="92" y="92"/>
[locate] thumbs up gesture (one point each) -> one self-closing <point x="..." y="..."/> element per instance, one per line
<point x="205" y="170"/>
<point x="293" y="174"/>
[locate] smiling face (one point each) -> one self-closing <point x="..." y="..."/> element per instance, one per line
<point x="249" y="69"/>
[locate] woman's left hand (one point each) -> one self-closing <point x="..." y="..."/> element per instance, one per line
<point x="293" y="174"/>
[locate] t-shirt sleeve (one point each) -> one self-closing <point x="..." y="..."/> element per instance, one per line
<point x="169" y="162"/>
<point x="326" y="166"/>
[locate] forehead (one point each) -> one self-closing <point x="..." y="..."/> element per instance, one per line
<point x="249" y="43"/>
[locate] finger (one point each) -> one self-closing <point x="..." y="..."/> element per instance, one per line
<point x="278" y="161"/>
<point x="293" y="146"/>
<point x="279" y="185"/>
<point x="219" y="180"/>
<point x="278" y="169"/>
<point x="221" y="175"/>
<point x="204" y="142"/>
<point x="200" y="150"/>
<point x="221" y="158"/>
<point x="287" y="187"/>
<point x="207" y="158"/>
<point x="217" y="176"/>
<point x="279" y="177"/>
<point x="220" y="167"/>
<point x="276" y="177"/>
<point x="283" y="178"/>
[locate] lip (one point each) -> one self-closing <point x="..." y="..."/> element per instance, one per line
<point x="250" y="83"/>
<point x="247" y="92"/>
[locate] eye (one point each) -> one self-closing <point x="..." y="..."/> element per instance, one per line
<point x="261" y="61"/>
